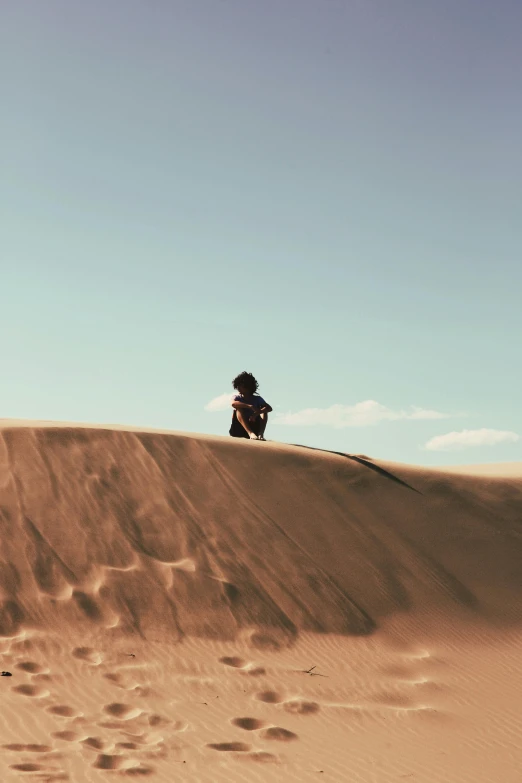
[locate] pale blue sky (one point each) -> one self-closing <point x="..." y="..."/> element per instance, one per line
<point x="326" y="193"/>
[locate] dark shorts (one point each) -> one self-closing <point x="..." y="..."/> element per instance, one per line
<point x="238" y="431"/>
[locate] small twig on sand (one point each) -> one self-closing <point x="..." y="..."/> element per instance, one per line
<point x="311" y="672"/>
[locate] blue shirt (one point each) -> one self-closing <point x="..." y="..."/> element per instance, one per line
<point x="251" y="399"/>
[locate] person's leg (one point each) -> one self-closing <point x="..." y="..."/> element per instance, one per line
<point x="263" y="419"/>
<point x="243" y="415"/>
<point x="236" y="428"/>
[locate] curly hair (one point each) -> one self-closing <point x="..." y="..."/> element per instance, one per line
<point x="245" y="379"/>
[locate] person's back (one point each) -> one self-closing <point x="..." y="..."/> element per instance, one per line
<point x="251" y="411"/>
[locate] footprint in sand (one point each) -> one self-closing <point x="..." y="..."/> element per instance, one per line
<point x="30" y="748"/>
<point x="88" y="654"/>
<point x="96" y="743"/>
<point x="47" y="773"/>
<point x="270" y="697"/>
<point x="36" y="691"/>
<point x="120" y="681"/>
<point x="140" y="690"/>
<point x="233" y="660"/>
<point x="159" y="720"/>
<point x="118" y="761"/>
<point x="262" y="757"/>
<point x="63" y="711"/>
<point x="248" y="724"/>
<point x="270" y="733"/>
<point x="89" y="606"/>
<point x="122" y="711"/>
<point x="279" y="734"/>
<point x="28" y="767"/>
<point x="68" y="736"/>
<point x="42" y="678"/>
<point x="231" y="747"/>
<point x="254" y="671"/>
<point x="107" y="761"/>
<point x="264" y="641"/>
<point x="150" y="740"/>
<point x="31" y="667"/>
<point x="301" y="707"/>
<point x="245" y="667"/>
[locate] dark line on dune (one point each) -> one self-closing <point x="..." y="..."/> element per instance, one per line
<point x="370" y="623"/>
<point x="443" y="576"/>
<point x="47" y="462"/>
<point x="366" y="463"/>
<point x="38" y="536"/>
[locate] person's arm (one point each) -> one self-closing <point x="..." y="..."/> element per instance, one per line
<point x="237" y="404"/>
<point x="265" y="408"/>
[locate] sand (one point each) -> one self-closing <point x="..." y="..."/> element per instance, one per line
<point x="178" y="607"/>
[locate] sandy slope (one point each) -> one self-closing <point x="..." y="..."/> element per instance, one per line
<point x="163" y="596"/>
<point x="500" y="469"/>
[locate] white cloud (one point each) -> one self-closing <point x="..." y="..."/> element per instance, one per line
<point x="362" y="414"/>
<point x="464" y="439"/>
<point x="221" y="403"/>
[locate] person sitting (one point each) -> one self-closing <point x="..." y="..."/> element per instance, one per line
<point x="251" y="411"/>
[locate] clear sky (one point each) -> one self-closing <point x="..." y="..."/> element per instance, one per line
<point x="327" y="193"/>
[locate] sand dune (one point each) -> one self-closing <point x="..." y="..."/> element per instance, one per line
<point x="499" y="469"/>
<point x="189" y="607"/>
